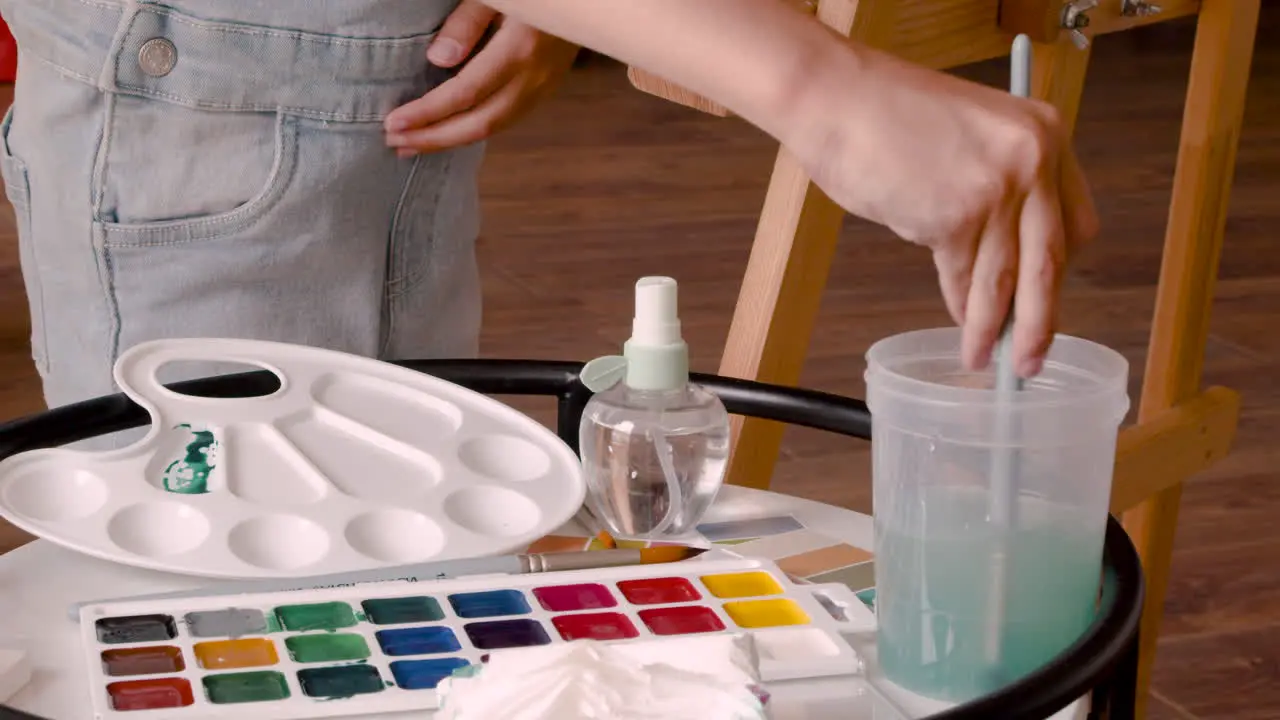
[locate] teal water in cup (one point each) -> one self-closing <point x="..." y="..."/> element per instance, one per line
<point x="948" y="630"/>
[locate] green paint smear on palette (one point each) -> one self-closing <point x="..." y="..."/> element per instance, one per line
<point x="189" y="474"/>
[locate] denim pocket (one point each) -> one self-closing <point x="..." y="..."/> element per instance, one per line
<point x="17" y="188"/>
<point x="175" y="175"/>
<point x="304" y="261"/>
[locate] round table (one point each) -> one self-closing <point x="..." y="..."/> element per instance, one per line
<point x="41" y="580"/>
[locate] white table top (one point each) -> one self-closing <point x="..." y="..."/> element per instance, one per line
<point x="41" y="580"/>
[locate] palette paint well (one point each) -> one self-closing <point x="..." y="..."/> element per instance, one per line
<point x="230" y="622"/>
<point x="386" y="647"/>
<point x="246" y="687"/>
<point x="151" y="660"/>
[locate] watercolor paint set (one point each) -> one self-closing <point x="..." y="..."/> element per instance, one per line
<point x="300" y="654"/>
<point x="352" y="464"/>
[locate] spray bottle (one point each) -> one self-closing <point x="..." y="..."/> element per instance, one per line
<point x="654" y="446"/>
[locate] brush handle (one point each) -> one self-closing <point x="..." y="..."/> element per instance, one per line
<point x="1001" y="493"/>
<point x="1019" y="86"/>
<point x="1020" y="67"/>
<point x="503" y="565"/>
<point x="560" y="562"/>
<point x="1008" y="383"/>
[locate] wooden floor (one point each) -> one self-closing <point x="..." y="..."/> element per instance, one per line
<point x="605" y="185"/>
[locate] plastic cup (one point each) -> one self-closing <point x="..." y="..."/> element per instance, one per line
<point x="935" y="438"/>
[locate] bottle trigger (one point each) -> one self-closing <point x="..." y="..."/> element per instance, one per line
<point x="603" y="373"/>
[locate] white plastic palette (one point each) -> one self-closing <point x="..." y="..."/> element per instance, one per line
<point x="377" y="648"/>
<point x="15" y="672"/>
<point x="352" y="464"/>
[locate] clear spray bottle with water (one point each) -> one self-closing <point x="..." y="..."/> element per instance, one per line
<point x="654" y="446"/>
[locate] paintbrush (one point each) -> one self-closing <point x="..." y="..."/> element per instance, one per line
<point x="444" y="570"/>
<point x="1002" y="492"/>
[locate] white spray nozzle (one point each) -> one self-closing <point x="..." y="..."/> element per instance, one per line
<point x="657" y="318"/>
<point x="655" y="358"/>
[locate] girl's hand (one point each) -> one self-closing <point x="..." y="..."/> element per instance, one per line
<point x="985" y="180"/>
<point x="516" y="68"/>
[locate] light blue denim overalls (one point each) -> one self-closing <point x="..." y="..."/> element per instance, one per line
<point x="217" y="168"/>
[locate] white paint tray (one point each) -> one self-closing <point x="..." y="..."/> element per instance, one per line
<point x="351" y="464"/>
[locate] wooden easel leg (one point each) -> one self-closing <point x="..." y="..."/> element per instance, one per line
<point x="778" y="306"/>
<point x="1058" y="75"/>
<point x="787" y="272"/>
<point x="1193" y="242"/>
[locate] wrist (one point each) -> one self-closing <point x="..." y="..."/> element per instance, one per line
<point x="820" y="96"/>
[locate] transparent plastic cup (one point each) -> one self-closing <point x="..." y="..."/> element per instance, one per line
<point x="949" y="629"/>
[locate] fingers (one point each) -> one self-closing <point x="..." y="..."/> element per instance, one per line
<point x="460" y="34"/>
<point x="991" y="291"/>
<point x="488" y="71"/>
<point x="481" y="121"/>
<point x="1021" y="257"/>
<point x="954" y="262"/>
<point x="1042" y="257"/>
<point x="1079" y="215"/>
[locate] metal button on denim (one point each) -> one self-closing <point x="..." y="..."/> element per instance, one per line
<point x="157" y="57"/>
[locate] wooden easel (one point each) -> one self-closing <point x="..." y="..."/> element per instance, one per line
<point x="1182" y="429"/>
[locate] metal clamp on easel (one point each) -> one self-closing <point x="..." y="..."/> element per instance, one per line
<point x="1044" y="20"/>
<point x="1139" y="8"/>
